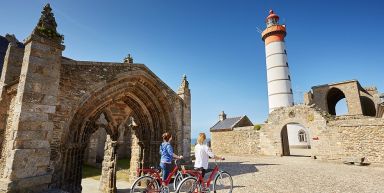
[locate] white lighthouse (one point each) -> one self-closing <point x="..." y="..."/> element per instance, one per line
<point x="279" y="80"/>
<point x="279" y="83"/>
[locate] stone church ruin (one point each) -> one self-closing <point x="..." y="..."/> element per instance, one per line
<point x="51" y="105"/>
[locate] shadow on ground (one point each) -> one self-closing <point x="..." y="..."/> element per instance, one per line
<point x="298" y="156"/>
<point x="239" y="168"/>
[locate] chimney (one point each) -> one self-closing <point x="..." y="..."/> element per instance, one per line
<point x="222" y="116"/>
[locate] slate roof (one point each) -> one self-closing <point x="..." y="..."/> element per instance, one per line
<point x="226" y="123"/>
<point x="230" y="123"/>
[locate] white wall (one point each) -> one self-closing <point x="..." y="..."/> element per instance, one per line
<point x="293" y="135"/>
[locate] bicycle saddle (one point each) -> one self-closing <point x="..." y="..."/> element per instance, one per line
<point x="157" y="168"/>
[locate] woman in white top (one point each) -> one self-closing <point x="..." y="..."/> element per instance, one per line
<point x="203" y="153"/>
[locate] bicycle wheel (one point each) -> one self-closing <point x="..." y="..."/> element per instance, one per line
<point x="178" y="178"/>
<point x="223" y="183"/>
<point x="145" y="184"/>
<point x="189" y="185"/>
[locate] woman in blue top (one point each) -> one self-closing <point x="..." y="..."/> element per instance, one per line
<point x="166" y="152"/>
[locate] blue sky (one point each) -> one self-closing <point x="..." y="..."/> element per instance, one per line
<point x="217" y="45"/>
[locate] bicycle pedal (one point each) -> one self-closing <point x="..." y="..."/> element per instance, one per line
<point x="206" y="190"/>
<point x="164" y="189"/>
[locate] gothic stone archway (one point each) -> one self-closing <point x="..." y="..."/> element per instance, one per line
<point x="121" y="92"/>
<point x="272" y="141"/>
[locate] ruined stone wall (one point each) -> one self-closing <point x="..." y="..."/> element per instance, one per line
<point x="6" y="131"/>
<point x="360" y="101"/>
<point x="331" y="138"/>
<point x="350" y="90"/>
<point x="354" y="137"/>
<point x="8" y="87"/>
<point x="240" y="141"/>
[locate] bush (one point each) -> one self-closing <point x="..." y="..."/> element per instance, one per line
<point x="257" y="127"/>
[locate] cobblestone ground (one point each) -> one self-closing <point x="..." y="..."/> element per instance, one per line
<point x="292" y="174"/>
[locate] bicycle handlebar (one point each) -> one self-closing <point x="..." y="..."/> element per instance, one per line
<point x="176" y="160"/>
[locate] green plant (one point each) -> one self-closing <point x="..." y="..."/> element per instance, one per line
<point x="257" y="127"/>
<point x="91" y="172"/>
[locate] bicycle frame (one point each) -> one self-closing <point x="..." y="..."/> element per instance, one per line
<point x="211" y="177"/>
<point x="200" y="178"/>
<point x="156" y="174"/>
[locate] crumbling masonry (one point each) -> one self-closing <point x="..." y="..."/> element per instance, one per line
<point x="50" y="106"/>
<point x="358" y="134"/>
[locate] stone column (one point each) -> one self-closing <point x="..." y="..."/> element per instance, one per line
<point x="136" y="155"/>
<point x="185" y="93"/>
<point x="28" y="161"/>
<point x="29" y="153"/>
<point x="108" y="172"/>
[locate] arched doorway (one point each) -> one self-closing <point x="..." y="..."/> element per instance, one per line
<point x="295" y="140"/>
<point x="96" y="151"/>
<point x="368" y="106"/>
<point x="274" y="135"/>
<point x="335" y="95"/>
<point x="128" y="105"/>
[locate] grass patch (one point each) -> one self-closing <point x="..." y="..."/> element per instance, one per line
<point x="91" y="172"/>
<point x="122" y="170"/>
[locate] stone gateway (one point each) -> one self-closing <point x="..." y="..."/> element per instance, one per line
<point x="51" y="105"/>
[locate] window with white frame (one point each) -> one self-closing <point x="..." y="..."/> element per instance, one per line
<point x="302" y="136"/>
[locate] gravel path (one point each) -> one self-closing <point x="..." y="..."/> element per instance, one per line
<point x="290" y="175"/>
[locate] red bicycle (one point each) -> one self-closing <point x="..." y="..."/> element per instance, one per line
<point x="222" y="181"/>
<point x="152" y="182"/>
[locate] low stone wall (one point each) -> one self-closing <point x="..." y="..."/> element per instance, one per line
<point x="331" y="138"/>
<point x="242" y="140"/>
<point x="359" y="137"/>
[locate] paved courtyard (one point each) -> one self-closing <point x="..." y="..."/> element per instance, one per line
<point x="289" y="175"/>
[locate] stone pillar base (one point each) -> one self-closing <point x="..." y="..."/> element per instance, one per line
<point x="34" y="184"/>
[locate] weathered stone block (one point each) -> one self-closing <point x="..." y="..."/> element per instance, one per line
<point x="31" y="144"/>
<point x="31" y="135"/>
<point x="33" y="116"/>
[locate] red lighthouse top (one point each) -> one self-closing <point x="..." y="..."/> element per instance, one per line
<point x="272" y="15"/>
<point x="274" y="31"/>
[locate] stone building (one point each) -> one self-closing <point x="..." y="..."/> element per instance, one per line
<point x="228" y="124"/>
<point x="229" y="135"/>
<point x="51" y="105"/>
